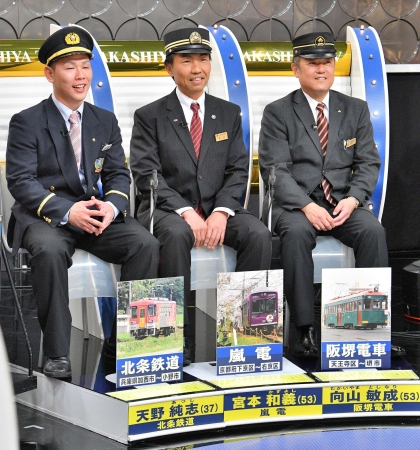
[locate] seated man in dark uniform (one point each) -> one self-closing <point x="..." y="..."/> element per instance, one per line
<point x="194" y="142"/>
<point x="59" y="152"/>
<point x="320" y="143"/>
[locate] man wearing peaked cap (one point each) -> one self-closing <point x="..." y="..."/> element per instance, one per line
<point x="194" y="142"/>
<point x="66" y="42"/>
<point x="57" y="152"/>
<point x="187" y="40"/>
<point x="320" y="143"/>
<point x="314" y="46"/>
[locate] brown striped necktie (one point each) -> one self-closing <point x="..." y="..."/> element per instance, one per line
<point x="196" y="131"/>
<point x="322" y="126"/>
<point x="75" y="136"/>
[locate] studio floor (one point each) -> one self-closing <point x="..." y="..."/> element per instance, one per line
<point x="41" y="431"/>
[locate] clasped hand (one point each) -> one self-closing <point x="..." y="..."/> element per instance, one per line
<point x="207" y="233"/>
<point x="92" y="216"/>
<point x="323" y="221"/>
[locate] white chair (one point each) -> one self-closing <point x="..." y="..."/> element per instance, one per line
<point x="207" y="263"/>
<point x="89" y="276"/>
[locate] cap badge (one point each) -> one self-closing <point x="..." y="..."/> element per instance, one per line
<point x="72" y="39"/>
<point x="195" y="38"/>
<point x="320" y="41"/>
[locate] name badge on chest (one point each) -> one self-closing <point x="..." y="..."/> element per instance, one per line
<point x="221" y="136"/>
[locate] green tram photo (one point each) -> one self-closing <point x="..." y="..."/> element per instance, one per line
<point x="362" y="309"/>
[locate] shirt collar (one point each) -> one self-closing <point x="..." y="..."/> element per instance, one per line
<point x="66" y="111"/>
<point x="313" y="103"/>
<point x="186" y="101"/>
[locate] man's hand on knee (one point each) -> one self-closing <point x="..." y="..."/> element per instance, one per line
<point x="108" y="217"/>
<point x="216" y="227"/>
<point x="318" y="216"/>
<point x="343" y="210"/>
<point x="198" y="226"/>
<point x="81" y="215"/>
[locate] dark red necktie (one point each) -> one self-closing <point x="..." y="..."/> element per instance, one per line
<point x="196" y="131"/>
<point x="322" y="125"/>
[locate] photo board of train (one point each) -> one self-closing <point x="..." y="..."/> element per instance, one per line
<point x="355" y="319"/>
<point x="249" y="322"/>
<point x="150" y="331"/>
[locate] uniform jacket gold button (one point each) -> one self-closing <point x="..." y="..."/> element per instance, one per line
<point x="52" y="188"/>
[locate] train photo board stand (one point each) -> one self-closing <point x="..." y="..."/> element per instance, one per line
<point x="150" y="331"/>
<point x="356" y="319"/>
<point x="249" y="322"/>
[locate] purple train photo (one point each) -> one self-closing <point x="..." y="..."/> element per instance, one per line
<point x="260" y="310"/>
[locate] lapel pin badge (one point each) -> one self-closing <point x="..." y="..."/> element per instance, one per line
<point x="339" y="110"/>
<point x="213" y="116"/>
<point x="175" y="120"/>
<point x="106" y="147"/>
<point x="98" y="164"/>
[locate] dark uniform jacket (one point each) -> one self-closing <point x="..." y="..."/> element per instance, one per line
<point x="161" y="141"/>
<point x="41" y="168"/>
<point x="289" y="141"/>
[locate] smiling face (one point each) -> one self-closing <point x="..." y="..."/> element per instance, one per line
<point x="191" y="72"/>
<point x="71" y="77"/>
<point x="316" y="76"/>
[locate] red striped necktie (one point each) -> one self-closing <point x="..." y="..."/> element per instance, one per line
<point x="196" y="131"/>
<point x="322" y="126"/>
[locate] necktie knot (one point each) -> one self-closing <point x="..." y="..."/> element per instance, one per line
<point x="74" y="117"/>
<point x="320" y="107"/>
<point x="195" y="107"/>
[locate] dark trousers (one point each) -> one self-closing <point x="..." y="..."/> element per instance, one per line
<point x="362" y="231"/>
<point x="244" y="232"/>
<point x="126" y="243"/>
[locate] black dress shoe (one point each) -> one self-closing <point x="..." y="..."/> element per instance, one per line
<point x="57" y="367"/>
<point x="396" y="351"/>
<point x="306" y="346"/>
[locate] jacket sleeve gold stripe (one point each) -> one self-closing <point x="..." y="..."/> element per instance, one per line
<point x="117" y="192"/>
<point x="43" y="203"/>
